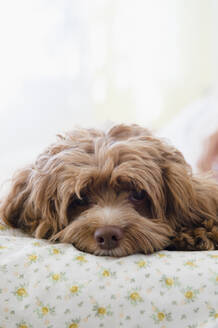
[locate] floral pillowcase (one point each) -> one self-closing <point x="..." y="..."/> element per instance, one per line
<point x="56" y="286"/>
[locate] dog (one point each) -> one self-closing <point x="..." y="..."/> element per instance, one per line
<point x="114" y="193"/>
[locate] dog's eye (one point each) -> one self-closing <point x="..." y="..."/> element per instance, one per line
<point x="80" y="202"/>
<point x="136" y="196"/>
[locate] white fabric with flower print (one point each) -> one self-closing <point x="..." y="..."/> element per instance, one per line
<point x="44" y="285"/>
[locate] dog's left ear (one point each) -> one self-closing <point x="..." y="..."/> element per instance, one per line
<point x="191" y="203"/>
<point x="186" y="195"/>
<point x="178" y="185"/>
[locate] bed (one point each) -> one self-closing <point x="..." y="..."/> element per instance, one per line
<point x="56" y="286"/>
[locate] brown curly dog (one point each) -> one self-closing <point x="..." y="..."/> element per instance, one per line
<point x="114" y="193"/>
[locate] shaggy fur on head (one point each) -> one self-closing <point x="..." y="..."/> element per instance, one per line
<point x="126" y="179"/>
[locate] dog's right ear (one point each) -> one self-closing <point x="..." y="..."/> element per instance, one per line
<point x="31" y="204"/>
<point x="13" y="209"/>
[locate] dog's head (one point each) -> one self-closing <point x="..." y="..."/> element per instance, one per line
<point x="114" y="193"/>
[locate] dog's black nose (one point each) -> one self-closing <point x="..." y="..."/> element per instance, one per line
<point x="108" y="237"/>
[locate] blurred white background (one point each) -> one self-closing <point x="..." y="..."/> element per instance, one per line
<point x="81" y="62"/>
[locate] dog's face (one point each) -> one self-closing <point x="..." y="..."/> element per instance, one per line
<point x="112" y="193"/>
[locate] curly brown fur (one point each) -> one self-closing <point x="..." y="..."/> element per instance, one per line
<point x="125" y="178"/>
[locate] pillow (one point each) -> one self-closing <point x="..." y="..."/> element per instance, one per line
<point x="57" y="286"/>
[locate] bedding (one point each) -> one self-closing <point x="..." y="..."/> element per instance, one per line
<point x="57" y="286"/>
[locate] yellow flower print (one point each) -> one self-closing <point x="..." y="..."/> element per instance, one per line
<point x="161" y="255"/>
<point x="44" y="310"/>
<point x="53" y="251"/>
<point x="135" y="296"/>
<point x="191" y="264"/>
<point x="217" y="278"/>
<point x="142" y="264"/>
<point x="160" y="316"/>
<point x="32" y="257"/>
<point x="214" y="256"/>
<point x="2" y="247"/>
<point x="102" y="311"/>
<point x="23" y="324"/>
<point x="36" y="244"/>
<point x="106" y="273"/>
<point x="216" y="315"/>
<point x="189" y="294"/>
<point x="74" y="289"/>
<point x="73" y="325"/>
<point x="56" y="276"/>
<point x="81" y="259"/>
<point x="169" y="281"/>
<point x="21" y="292"/>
